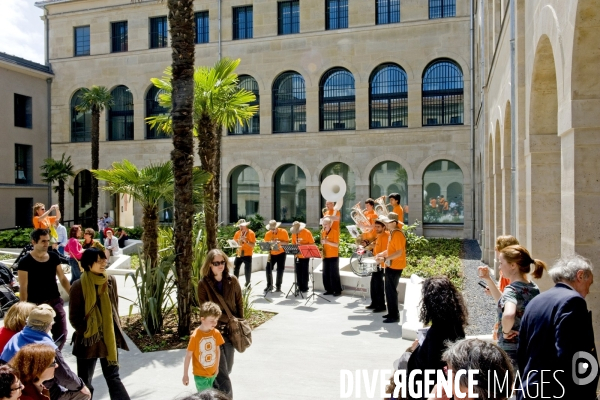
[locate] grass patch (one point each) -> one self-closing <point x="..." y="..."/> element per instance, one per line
<point x="7" y="256"/>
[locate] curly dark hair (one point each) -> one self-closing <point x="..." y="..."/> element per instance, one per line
<point x="442" y="303"/>
<point x="8" y="376"/>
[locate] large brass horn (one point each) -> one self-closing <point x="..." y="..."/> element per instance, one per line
<point x="333" y="188"/>
<point x="359" y="218"/>
<point x="380" y="207"/>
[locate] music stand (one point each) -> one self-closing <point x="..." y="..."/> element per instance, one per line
<point x="311" y="251"/>
<point x="293" y="249"/>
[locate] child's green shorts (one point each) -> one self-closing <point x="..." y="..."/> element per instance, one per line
<point x="204" y="382"/>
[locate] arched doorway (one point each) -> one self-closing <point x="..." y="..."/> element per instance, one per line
<point x="347" y="174"/>
<point x="82" y="200"/>
<point x="393" y="177"/>
<point x="290" y="194"/>
<point x="244" y="193"/>
<point x="443" y="202"/>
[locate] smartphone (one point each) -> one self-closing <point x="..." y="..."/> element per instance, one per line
<point x="482" y="284"/>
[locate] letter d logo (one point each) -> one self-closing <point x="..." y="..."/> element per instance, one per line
<point x="588" y="367"/>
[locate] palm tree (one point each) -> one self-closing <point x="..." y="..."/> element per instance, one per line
<point x="147" y="186"/>
<point x="218" y="102"/>
<point x="95" y="100"/>
<point x="58" y="171"/>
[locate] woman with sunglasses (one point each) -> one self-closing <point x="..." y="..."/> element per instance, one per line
<point x="217" y="280"/>
<point x="35" y="364"/>
<point x="42" y="218"/>
<point x="94" y="314"/>
<point x="10" y="385"/>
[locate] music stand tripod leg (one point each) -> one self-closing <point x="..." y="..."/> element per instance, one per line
<point x="312" y="277"/>
<point x="295" y="285"/>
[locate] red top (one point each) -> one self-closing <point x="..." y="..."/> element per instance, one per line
<point x="5" y="335"/>
<point x="74" y="249"/>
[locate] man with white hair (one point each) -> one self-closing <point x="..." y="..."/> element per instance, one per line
<point x="556" y="334"/>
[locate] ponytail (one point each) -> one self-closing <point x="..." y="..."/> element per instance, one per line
<point x="519" y="255"/>
<point x="539" y="267"/>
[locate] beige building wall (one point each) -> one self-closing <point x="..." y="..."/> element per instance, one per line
<point x="16" y="78"/>
<point x="557" y="95"/>
<point x="413" y="43"/>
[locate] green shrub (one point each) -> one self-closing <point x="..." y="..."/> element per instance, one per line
<point x="134" y="233"/>
<point x="427" y="267"/>
<point x="15" y="238"/>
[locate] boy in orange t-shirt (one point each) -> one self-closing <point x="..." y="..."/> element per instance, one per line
<point x="203" y="349"/>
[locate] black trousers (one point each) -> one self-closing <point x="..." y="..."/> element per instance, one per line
<point x="279" y="259"/>
<point x="392" y="277"/>
<point x="223" y="382"/>
<point x="302" y="273"/>
<point x="237" y="263"/>
<point x="377" y="289"/>
<point x="331" y="275"/>
<point x="85" y="370"/>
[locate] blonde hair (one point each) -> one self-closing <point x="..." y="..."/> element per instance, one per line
<point x="505" y="241"/>
<point x="37" y="207"/>
<point x="520" y="256"/>
<point x="206" y="271"/>
<point x="16" y="316"/>
<point x="209" y="309"/>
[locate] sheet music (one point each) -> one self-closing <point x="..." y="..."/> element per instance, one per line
<point x="233" y="243"/>
<point x="353" y="230"/>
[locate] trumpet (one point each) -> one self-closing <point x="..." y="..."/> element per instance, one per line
<point x="381" y="208"/>
<point x="359" y="218"/>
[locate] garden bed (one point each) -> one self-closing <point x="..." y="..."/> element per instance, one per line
<point x="168" y="338"/>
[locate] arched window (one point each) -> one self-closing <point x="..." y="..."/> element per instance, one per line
<point x="336" y="100"/>
<point x="442" y="8"/>
<point x="243" y="193"/>
<point x="81" y="123"/>
<point x="289" y="103"/>
<point x="120" y="115"/>
<point x="290" y="194"/>
<point x="347" y="174"/>
<point x="442" y="94"/>
<point x="443" y="201"/>
<point x="153" y="109"/>
<point x="82" y="199"/>
<point x="253" y="126"/>
<point x="392" y="176"/>
<point x="388" y="97"/>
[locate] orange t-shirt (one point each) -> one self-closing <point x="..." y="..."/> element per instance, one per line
<point x="330" y="251"/>
<point x="398" y="210"/>
<point x="281" y="235"/>
<point x="44" y="224"/>
<point x="246" y="249"/>
<point x="334" y="224"/>
<point x="433" y="203"/>
<point x="397" y="242"/>
<point x="381" y="243"/>
<point x="205" y="345"/>
<point x="301" y="238"/>
<point x="371" y="216"/>
<point x="504" y="282"/>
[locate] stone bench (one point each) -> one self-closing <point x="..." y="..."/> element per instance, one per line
<point x="132" y="246"/>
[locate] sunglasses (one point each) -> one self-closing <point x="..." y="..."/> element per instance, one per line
<point x="19" y="387"/>
<point x="218" y="263"/>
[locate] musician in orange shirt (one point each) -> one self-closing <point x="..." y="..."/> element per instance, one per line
<point x="397" y="208"/>
<point x="369" y="237"/>
<point x="395" y="256"/>
<point x="301" y="236"/>
<point x="276" y="236"/>
<point x="333" y="215"/>
<point x="377" y="286"/>
<point x="246" y="239"/>
<point x="330" y="239"/>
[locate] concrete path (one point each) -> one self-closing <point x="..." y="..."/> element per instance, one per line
<point x="298" y="354"/>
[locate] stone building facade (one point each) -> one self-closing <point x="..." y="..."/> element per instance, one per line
<point x="538" y="127"/>
<point x="24" y="91"/>
<point x="377" y="64"/>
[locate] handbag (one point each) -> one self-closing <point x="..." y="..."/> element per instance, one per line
<point x="78" y="263"/>
<point x="240" y="332"/>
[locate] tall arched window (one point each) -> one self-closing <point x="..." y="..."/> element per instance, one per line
<point x="253" y="126"/>
<point x="442" y="8"/>
<point x="350" y="200"/>
<point x="336" y="100"/>
<point x="81" y="122"/>
<point x="290" y="194"/>
<point x="442" y="94"/>
<point x="243" y="193"/>
<point x="120" y="115"/>
<point x="388" y="97"/>
<point x="153" y="108"/>
<point x="82" y="199"/>
<point x="443" y="197"/>
<point x="289" y="103"/>
<point x="393" y="177"/>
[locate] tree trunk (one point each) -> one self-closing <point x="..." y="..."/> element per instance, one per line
<point x="217" y="177"/>
<point x="208" y="152"/>
<point x="150" y="235"/>
<point x="95" y="165"/>
<point x="61" y="197"/>
<point x="181" y="24"/>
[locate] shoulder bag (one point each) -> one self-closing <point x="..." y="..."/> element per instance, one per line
<point x="239" y="329"/>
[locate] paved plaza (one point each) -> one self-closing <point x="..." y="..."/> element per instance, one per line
<point x="297" y="354"/>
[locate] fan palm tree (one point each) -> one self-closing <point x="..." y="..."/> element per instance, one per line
<point x="95" y="100"/>
<point x="148" y="186"/>
<point x="58" y="171"/>
<point x="218" y="102"/>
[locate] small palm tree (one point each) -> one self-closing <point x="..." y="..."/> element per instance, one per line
<point x="58" y="171"/>
<point x="147" y="186"/>
<point x="218" y="102"/>
<point x="95" y="100"/>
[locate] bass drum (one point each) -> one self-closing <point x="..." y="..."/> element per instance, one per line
<point x="363" y="264"/>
